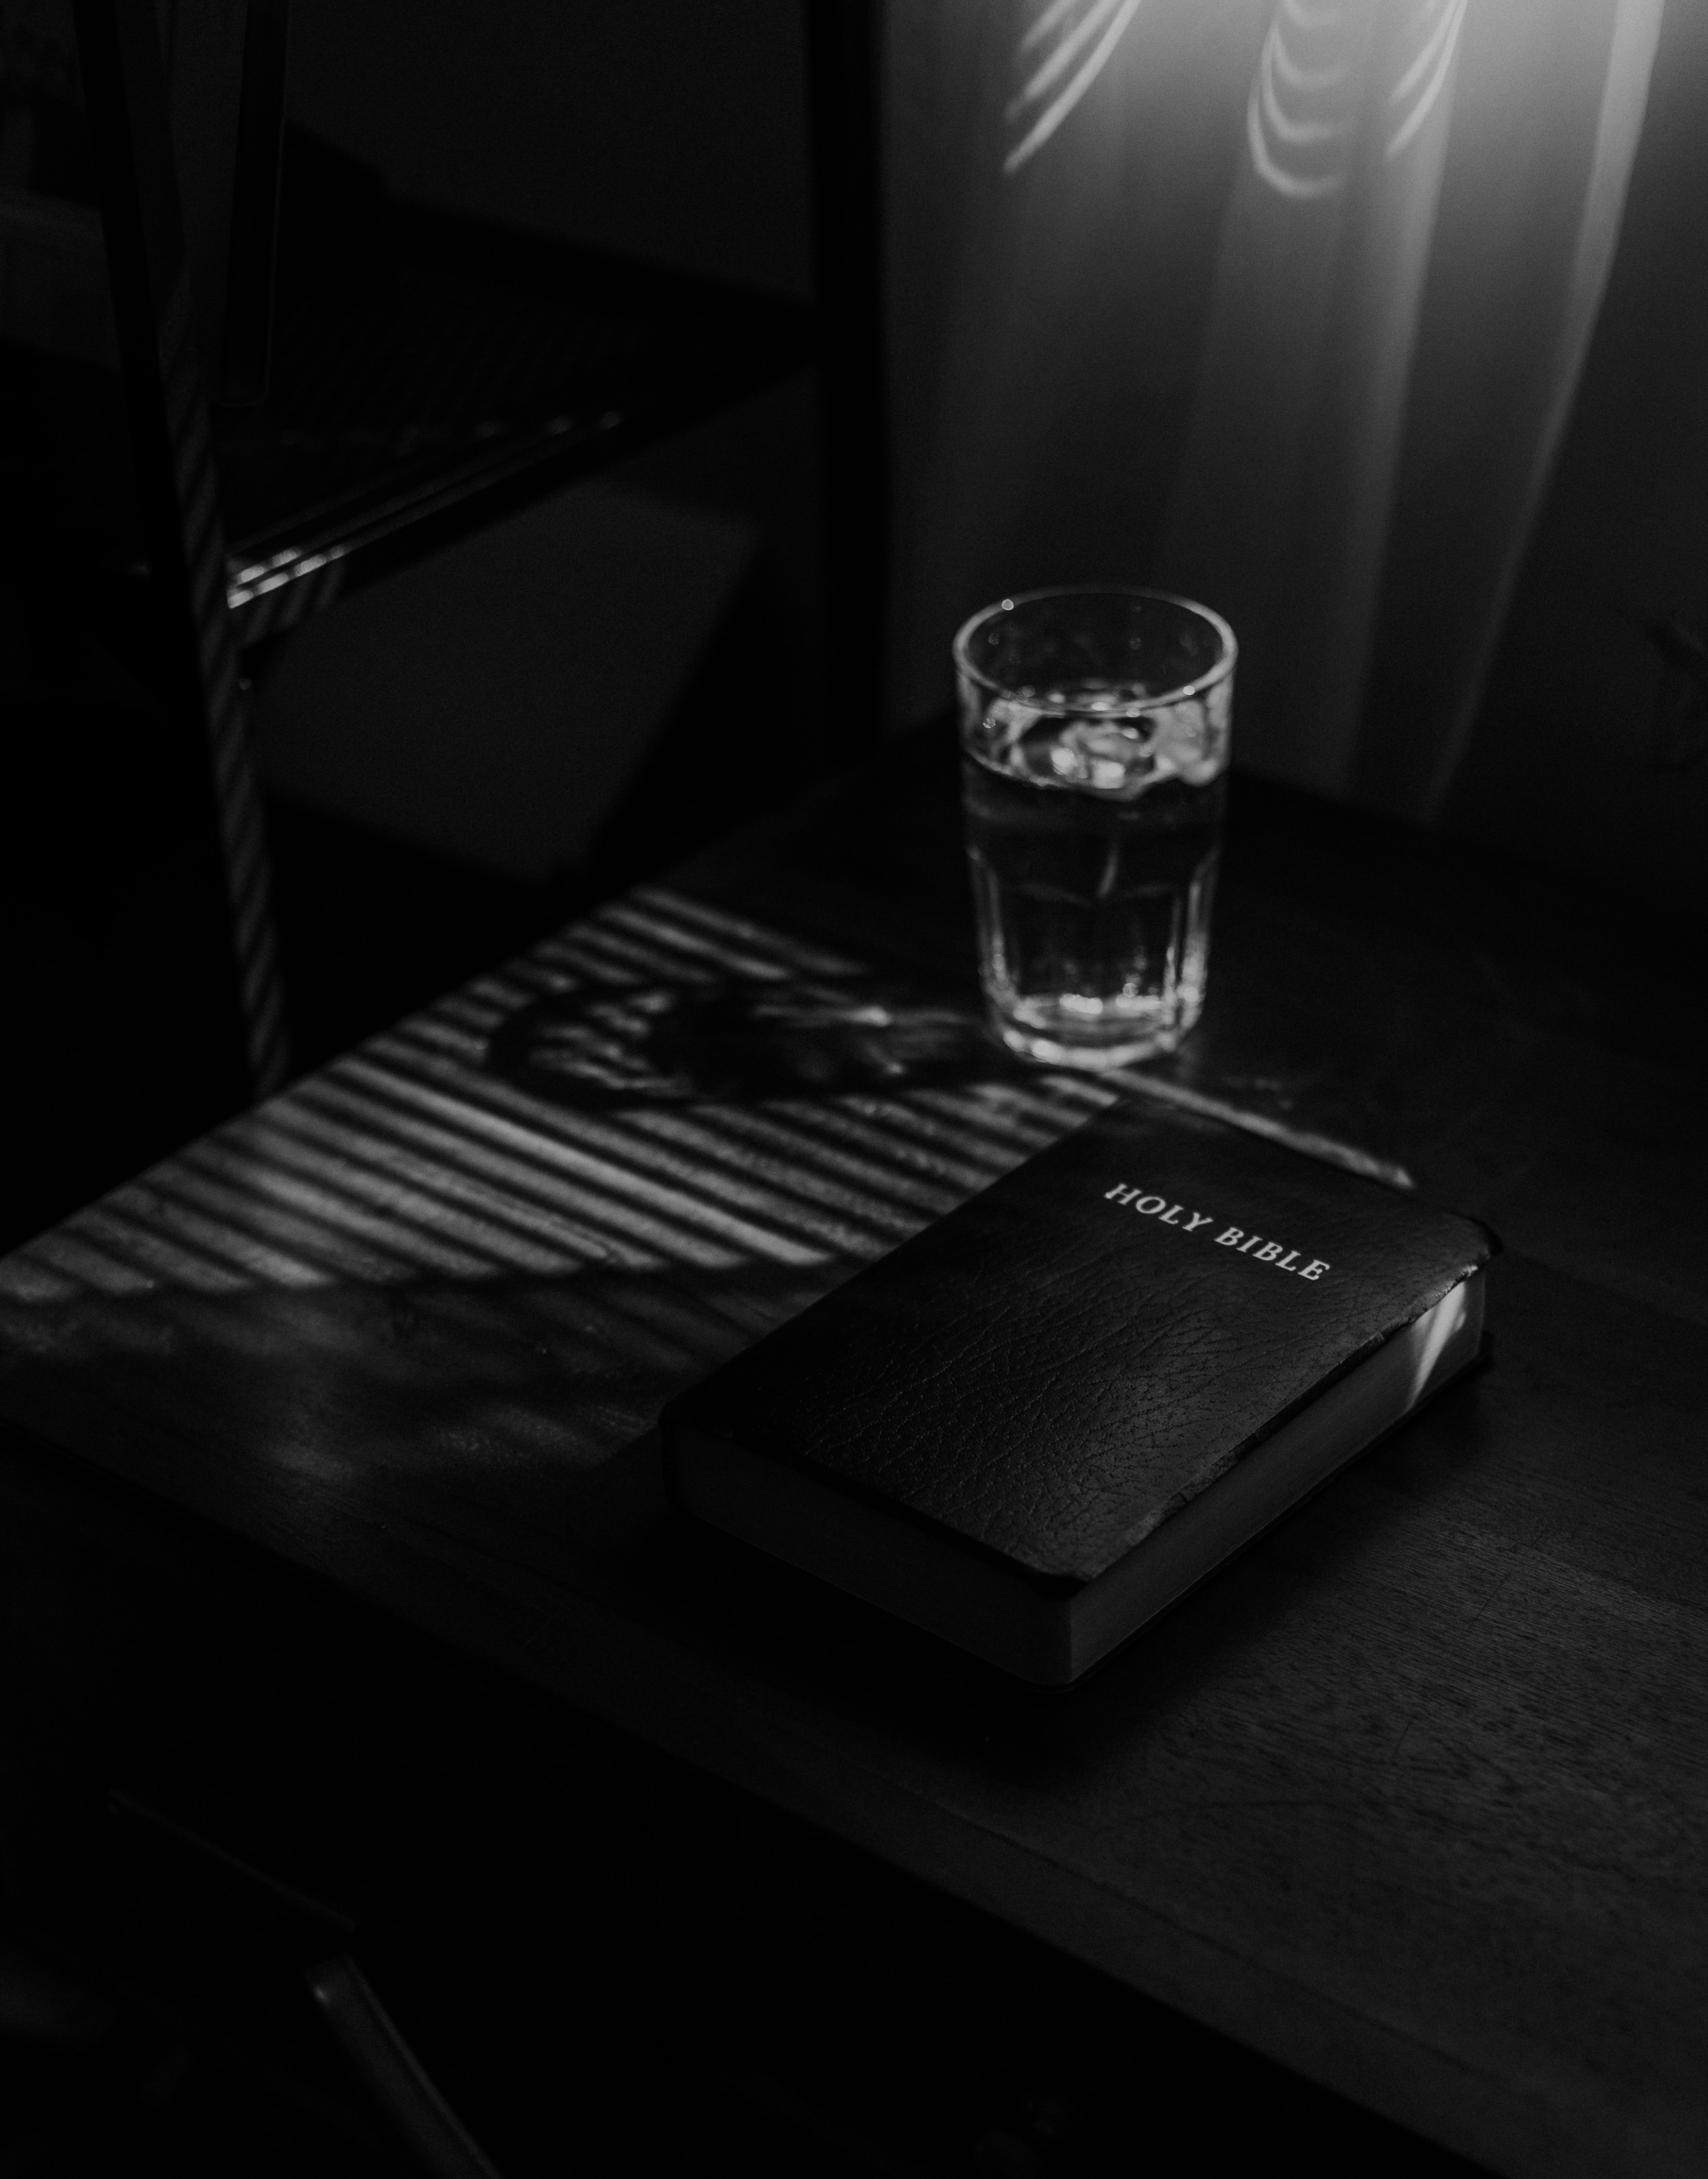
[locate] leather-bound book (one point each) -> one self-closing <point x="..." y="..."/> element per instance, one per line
<point x="1047" y="1417"/>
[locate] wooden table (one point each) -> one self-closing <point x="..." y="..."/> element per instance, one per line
<point x="1412" y="1799"/>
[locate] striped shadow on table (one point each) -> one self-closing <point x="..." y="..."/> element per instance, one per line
<point x="415" y="1258"/>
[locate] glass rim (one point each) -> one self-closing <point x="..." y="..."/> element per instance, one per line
<point x="1139" y="706"/>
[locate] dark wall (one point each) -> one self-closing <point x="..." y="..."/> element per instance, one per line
<point x="671" y="132"/>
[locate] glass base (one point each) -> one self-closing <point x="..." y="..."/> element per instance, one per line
<point x="1054" y="1035"/>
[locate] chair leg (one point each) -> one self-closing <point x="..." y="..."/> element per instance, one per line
<point x="843" y="86"/>
<point x="194" y="665"/>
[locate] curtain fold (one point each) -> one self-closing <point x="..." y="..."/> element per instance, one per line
<point x="1278" y="302"/>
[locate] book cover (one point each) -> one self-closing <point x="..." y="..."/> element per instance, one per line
<point x="1016" y="1408"/>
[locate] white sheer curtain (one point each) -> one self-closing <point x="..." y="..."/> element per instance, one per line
<point x="1280" y="303"/>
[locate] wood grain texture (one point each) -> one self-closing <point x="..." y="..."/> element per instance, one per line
<point x="1410" y="1798"/>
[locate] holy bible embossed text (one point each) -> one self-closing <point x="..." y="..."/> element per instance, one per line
<point x="1043" y="1419"/>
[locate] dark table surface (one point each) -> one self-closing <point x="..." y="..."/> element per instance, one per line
<point x="1411" y="1799"/>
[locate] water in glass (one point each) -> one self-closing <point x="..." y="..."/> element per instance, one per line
<point x="1093" y="830"/>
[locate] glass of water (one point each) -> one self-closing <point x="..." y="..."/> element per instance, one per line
<point x="1094" y="733"/>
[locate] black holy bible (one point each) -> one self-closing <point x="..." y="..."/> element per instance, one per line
<point x="1041" y="1421"/>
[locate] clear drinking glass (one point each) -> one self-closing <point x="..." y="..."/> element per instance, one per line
<point x="1094" y="733"/>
